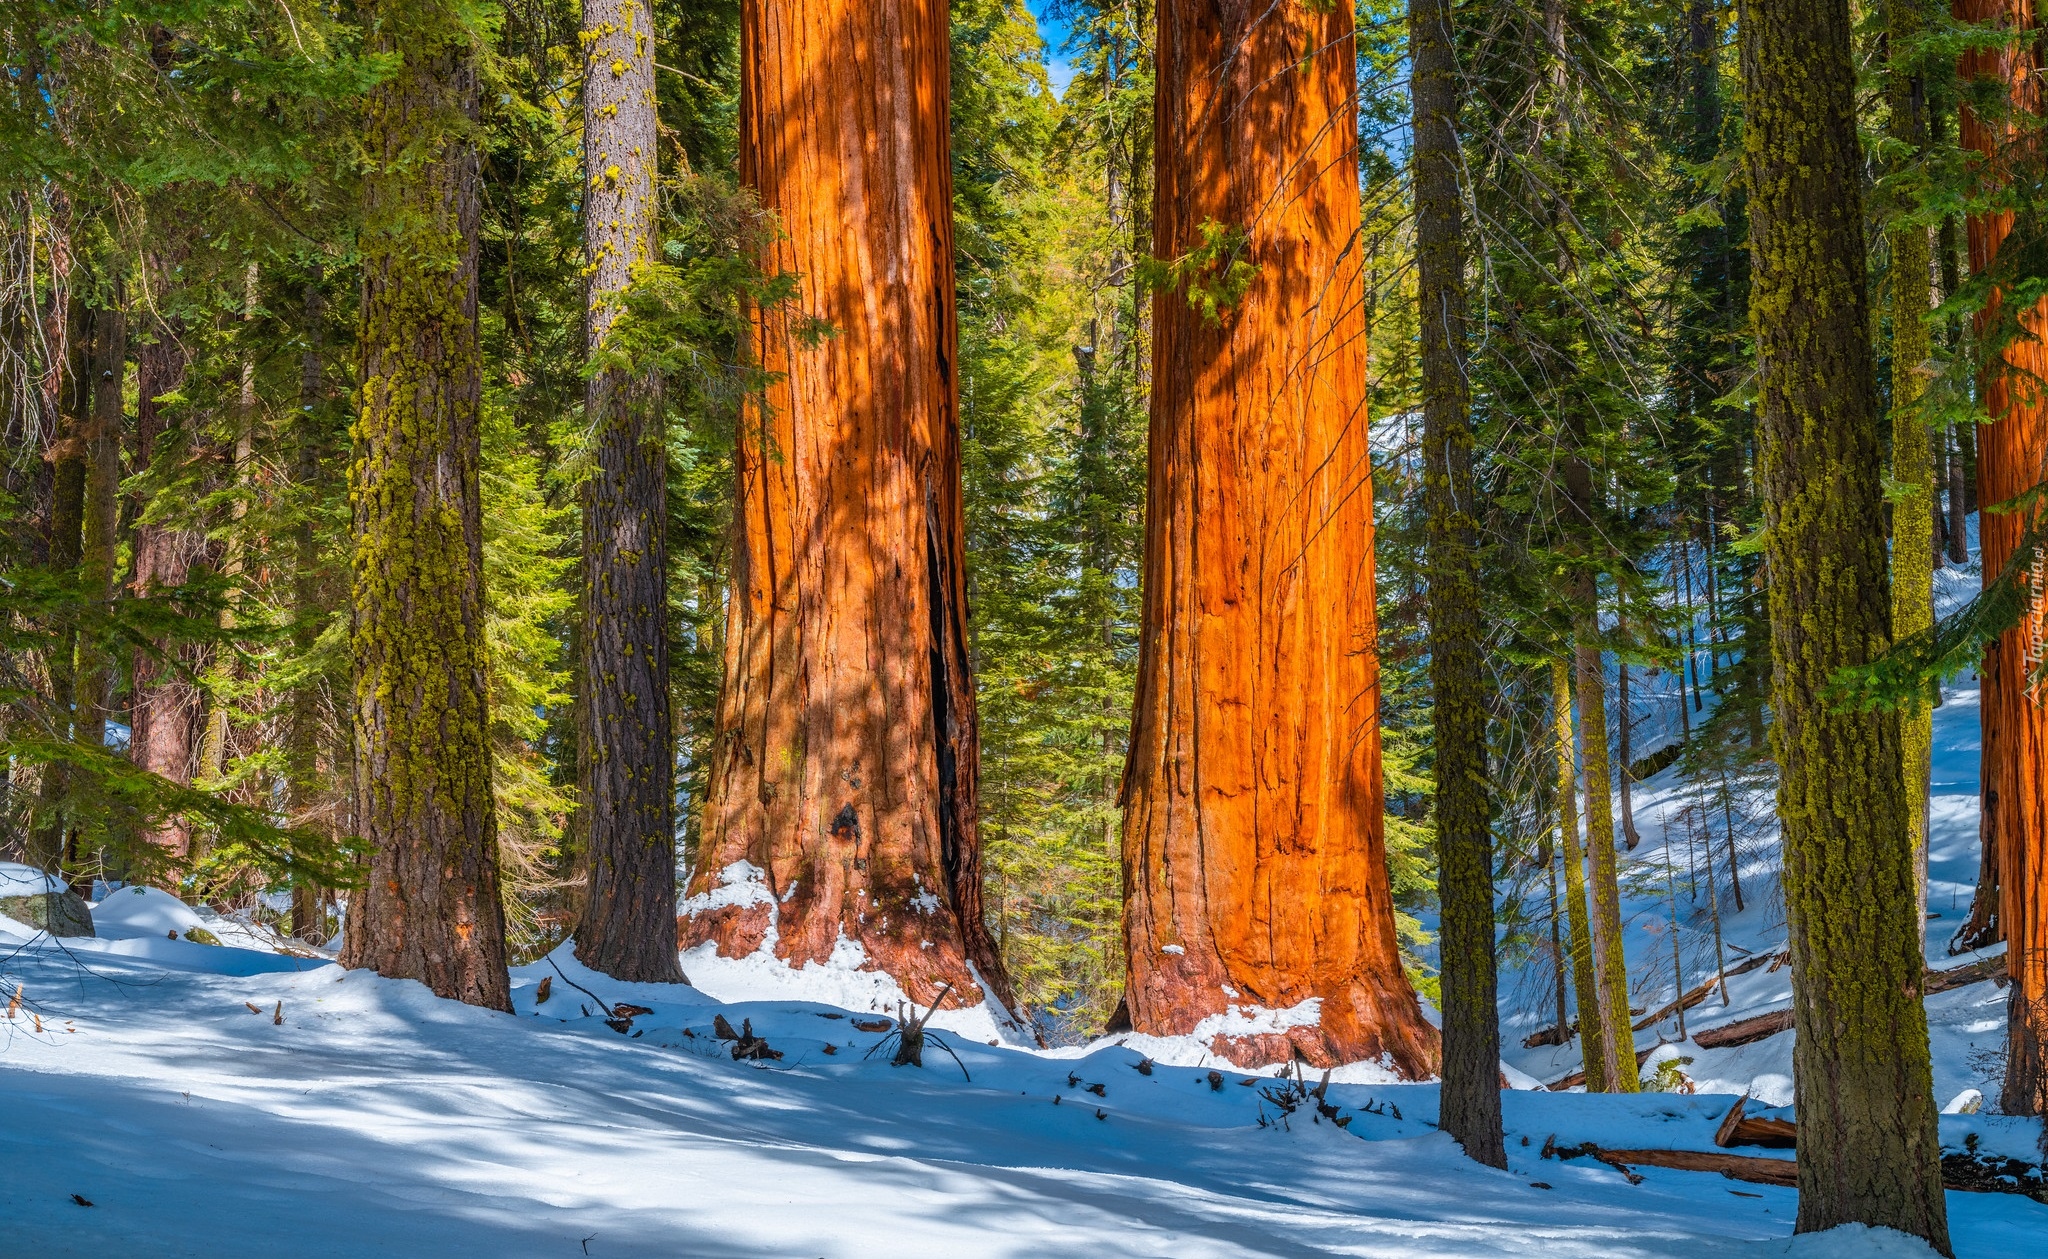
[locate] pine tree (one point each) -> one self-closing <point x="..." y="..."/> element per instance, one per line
<point x="625" y="759"/>
<point x="1907" y="292"/>
<point x="1868" y="1147"/>
<point x="429" y="909"/>
<point x="1464" y="840"/>
<point x="1254" y="847"/>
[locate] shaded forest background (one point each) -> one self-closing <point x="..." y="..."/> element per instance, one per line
<point x="202" y="183"/>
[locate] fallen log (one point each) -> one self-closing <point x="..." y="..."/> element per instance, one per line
<point x="1554" y="1035"/>
<point x="1738" y="1128"/>
<point x="1961" y="1170"/>
<point x="1758" y="1027"/>
<point x="1991" y="968"/>
<point x="1744" y="1031"/>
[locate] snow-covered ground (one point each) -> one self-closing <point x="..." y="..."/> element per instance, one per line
<point x="374" y="1119"/>
<point x="161" y="1096"/>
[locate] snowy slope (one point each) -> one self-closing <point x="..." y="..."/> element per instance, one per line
<point x="375" y="1119"/>
<point x="1967" y="1025"/>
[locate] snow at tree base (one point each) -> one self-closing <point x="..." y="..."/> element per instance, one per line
<point x="227" y="1100"/>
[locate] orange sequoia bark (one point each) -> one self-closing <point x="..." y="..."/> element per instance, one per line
<point x="847" y="757"/>
<point x="1254" y="851"/>
<point x="2012" y="457"/>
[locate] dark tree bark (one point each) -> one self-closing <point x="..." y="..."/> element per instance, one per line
<point x="1254" y="849"/>
<point x="106" y="366"/>
<point x="63" y="547"/>
<point x="844" y="797"/>
<point x="625" y="760"/>
<point x="429" y="909"/>
<point x="1464" y="838"/>
<point x="2012" y="458"/>
<point x="1868" y="1149"/>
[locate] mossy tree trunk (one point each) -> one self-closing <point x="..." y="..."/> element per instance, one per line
<point x="1908" y="290"/>
<point x="847" y="765"/>
<point x="1254" y="852"/>
<point x="1464" y="837"/>
<point x="1593" y="1048"/>
<point x="429" y="908"/>
<point x="1868" y="1149"/>
<point x="2012" y="457"/>
<point x="1610" y="962"/>
<point x="625" y="759"/>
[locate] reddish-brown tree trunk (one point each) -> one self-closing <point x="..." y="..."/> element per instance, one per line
<point x="2012" y="457"/>
<point x="166" y="704"/>
<point x="1255" y="871"/>
<point x="843" y="802"/>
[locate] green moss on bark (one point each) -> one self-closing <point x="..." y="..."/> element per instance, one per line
<point x="1868" y="1148"/>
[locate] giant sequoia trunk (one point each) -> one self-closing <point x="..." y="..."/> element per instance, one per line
<point x="625" y="759"/>
<point x="1464" y="835"/>
<point x="429" y="909"/>
<point x="843" y="801"/>
<point x="1868" y="1148"/>
<point x="2012" y="457"/>
<point x="1257" y="910"/>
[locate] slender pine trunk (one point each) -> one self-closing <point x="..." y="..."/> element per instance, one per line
<point x="1593" y="1048"/>
<point x="1464" y="841"/>
<point x="625" y="760"/>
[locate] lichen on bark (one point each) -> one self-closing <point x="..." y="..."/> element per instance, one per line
<point x="429" y="908"/>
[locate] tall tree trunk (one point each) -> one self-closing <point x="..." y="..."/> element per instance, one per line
<point x="165" y="705"/>
<point x="302" y="750"/>
<point x="429" y="909"/>
<point x="847" y="778"/>
<point x="1593" y="1048"/>
<point x="1464" y="837"/>
<point x="626" y="759"/>
<point x="1624" y="777"/>
<point x="1868" y="1149"/>
<point x="1254" y="847"/>
<point x="1610" y="962"/>
<point x="2012" y="457"/>
<point x="213" y="743"/>
<point x="1908" y="291"/>
<point x="101" y="522"/>
<point x="62" y="550"/>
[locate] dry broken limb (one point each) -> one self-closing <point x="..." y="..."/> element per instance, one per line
<point x="910" y="1035"/>
<point x="1555" y="1036"/>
